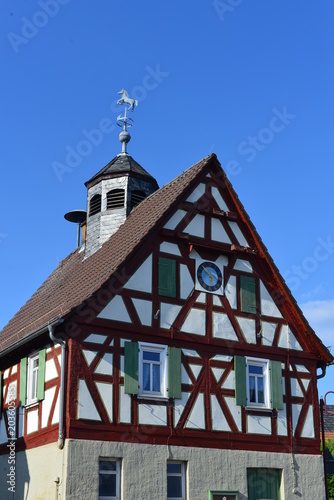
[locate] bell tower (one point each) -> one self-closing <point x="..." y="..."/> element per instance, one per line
<point x="116" y="189"/>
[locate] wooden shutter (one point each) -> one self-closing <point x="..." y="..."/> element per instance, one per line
<point x="41" y="375"/>
<point x="23" y="381"/>
<point x="174" y="373"/>
<point x="240" y="380"/>
<point x="264" y="483"/>
<point x="276" y="385"/>
<point x="247" y="294"/>
<point x="131" y="367"/>
<point x="167" y="277"/>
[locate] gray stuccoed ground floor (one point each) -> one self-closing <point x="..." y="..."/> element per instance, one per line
<point x="73" y="473"/>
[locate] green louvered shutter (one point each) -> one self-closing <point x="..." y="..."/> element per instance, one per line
<point x="131" y="367"/>
<point x="247" y="294"/>
<point x="240" y="380"/>
<point x="167" y="277"/>
<point x="264" y="483"/>
<point x="41" y="375"/>
<point x="1" y="394"/>
<point x="276" y="385"/>
<point x="23" y="381"/>
<point x="174" y="373"/>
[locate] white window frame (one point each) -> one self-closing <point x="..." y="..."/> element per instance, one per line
<point x="162" y="350"/>
<point x="182" y="474"/>
<point x="117" y="473"/>
<point x="264" y="364"/>
<point x="32" y="378"/>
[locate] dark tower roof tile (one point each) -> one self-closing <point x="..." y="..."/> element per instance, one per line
<point x="122" y="164"/>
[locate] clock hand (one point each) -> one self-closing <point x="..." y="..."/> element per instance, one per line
<point x="210" y="275"/>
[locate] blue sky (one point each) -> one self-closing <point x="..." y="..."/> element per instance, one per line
<point x="250" y="81"/>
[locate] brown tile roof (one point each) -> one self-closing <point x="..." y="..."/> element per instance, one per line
<point x="76" y="279"/>
<point x="329" y="420"/>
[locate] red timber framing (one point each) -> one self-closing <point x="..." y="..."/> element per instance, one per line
<point x="205" y="384"/>
<point x="43" y="434"/>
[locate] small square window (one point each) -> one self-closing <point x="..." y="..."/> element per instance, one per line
<point x="32" y="378"/>
<point x="109" y="479"/>
<point x="257" y="383"/>
<point x="176" y="481"/>
<point x="153" y="370"/>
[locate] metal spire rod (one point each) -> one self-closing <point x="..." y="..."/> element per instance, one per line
<point x="125" y="121"/>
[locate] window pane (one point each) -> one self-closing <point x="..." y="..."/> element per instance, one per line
<point x="255" y="369"/>
<point x="107" y="486"/>
<point x="34" y="384"/>
<point x="156" y="378"/>
<point x="174" y="486"/>
<point x="260" y="390"/>
<point x="107" y="465"/>
<point x="252" y="390"/>
<point x="173" y="468"/>
<point x="146" y="376"/>
<point x="151" y="356"/>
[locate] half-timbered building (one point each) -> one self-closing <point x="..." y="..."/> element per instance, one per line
<point x="164" y="358"/>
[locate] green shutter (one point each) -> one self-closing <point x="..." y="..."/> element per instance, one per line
<point x="23" y="381"/>
<point x="41" y="375"/>
<point x="131" y="367"/>
<point x="276" y="385"/>
<point x="174" y="373"/>
<point x="1" y="394"/>
<point x="264" y="483"/>
<point x="247" y="294"/>
<point x="240" y="380"/>
<point x="167" y="277"/>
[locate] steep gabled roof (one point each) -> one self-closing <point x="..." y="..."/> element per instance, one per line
<point x="77" y="279"/>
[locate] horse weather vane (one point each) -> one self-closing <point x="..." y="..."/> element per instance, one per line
<point x="125" y="121"/>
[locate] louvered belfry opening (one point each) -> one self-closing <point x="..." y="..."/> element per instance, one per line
<point x="95" y="204"/>
<point x="115" y="198"/>
<point x="136" y="197"/>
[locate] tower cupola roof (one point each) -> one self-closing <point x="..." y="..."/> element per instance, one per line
<point x="122" y="165"/>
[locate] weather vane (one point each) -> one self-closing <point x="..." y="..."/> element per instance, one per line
<point x="125" y="121"/>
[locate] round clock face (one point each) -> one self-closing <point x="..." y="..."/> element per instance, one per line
<point x="209" y="276"/>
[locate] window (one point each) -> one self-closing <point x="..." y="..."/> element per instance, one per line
<point x="176" y="481"/>
<point x="95" y="204"/>
<point x="136" y="197"/>
<point x="109" y="479"/>
<point x="247" y="294"/>
<point x="32" y="377"/>
<point x="258" y="383"/>
<point x="152" y="370"/>
<point x="223" y="495"/>
<point x="115" y="198"/>
<point x="264" y="483"/>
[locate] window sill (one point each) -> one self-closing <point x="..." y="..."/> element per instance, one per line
<point x="142" y="399"/>
<point x="256" y="410"/>
<point x="28" y="406"/>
